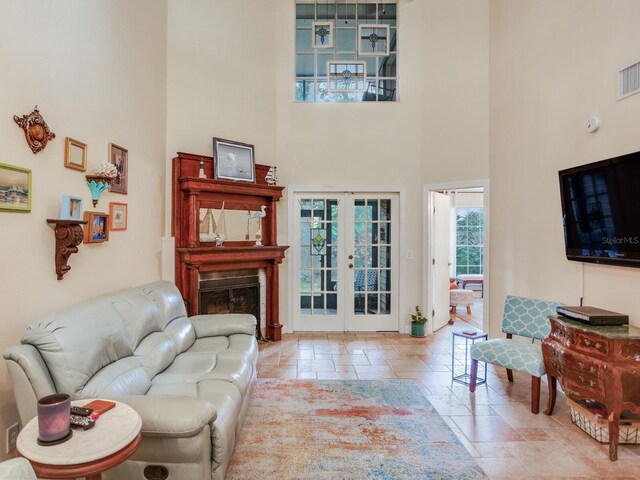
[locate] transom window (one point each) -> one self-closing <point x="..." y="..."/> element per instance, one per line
<point x="346" y="51"/>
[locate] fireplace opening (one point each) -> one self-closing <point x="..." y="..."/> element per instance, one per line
<point x="231" y="295"/>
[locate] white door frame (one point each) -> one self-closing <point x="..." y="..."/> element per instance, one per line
<point x="428" y="243"/>
<point x="291" y="192"/>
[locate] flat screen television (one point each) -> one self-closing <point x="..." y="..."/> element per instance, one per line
<point x="601" y="211"/>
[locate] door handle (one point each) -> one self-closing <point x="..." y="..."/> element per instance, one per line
<point x="350" y="257"/>
<point x="351" y="265"/>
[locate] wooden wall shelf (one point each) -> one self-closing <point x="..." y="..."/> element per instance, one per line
<point x="69" y="234"/>
<point x="191" y="193"/>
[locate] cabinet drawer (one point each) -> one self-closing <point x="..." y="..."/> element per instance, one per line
<point x="579" y="385"/>
<point x="593" y="345"/>
<point x="561" y="360"/>
<point x="582" y="364"/>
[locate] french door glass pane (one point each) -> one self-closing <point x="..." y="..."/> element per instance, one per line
<point x="372" y="274"/>
<point x="318" y="256"/>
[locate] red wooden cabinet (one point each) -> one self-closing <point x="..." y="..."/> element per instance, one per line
<point x="193" y="257"/>
<point x="599" y="363"/>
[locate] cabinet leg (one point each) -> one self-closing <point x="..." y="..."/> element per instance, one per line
<point x="551" y="402"/>
<point x="614" y="431"/>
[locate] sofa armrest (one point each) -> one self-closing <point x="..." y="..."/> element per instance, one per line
<point x="223" y="324"/>
<point x="30" y="378"/>
<point x="171" y="415"/>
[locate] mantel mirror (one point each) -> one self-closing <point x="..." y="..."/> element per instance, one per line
<point x="230" y="225"/>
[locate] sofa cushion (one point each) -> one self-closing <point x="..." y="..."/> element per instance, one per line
<point x="187" y="368"/>
<point x="181" y="332"/>
<point x="139" y="314"/>
<point x="233" y="367"/>
<point x="79" y="342"/>
<point x="122" y="377"/>
<point x="168" y="300"/>
<point x="512" y="354"/>
<point x="155" y="353"/>
<point x="210" y="344"/>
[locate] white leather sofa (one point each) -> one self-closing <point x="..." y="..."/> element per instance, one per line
<point x="189" y="378"/>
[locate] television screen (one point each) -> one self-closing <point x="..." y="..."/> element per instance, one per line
<point x="601" y="211"/>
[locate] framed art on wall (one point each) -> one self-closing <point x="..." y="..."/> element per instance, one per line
<point x="119" y="157"/>
<point x="75" y="154"/>
<point x="15" y="188"/>
<point x="118" y="213"/>
<point x="71" y="208"/>
<point x="97" y="228"/>
<point x="233" y="161"/>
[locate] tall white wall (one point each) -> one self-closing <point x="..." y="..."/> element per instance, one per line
<point x="423" y="138"/>
<point x="97" y="72"/>
<point x="226" y="60"/>
<point x="553" y="65"/>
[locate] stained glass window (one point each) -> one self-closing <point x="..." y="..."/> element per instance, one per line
<point x="346" y="33"/>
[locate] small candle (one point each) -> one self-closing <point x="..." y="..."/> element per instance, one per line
<point x="53" y="417"/>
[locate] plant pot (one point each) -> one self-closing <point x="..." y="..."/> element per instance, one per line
<point x="418" y="329"/>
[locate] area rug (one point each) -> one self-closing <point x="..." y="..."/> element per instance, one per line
<point x="346" y="429"/>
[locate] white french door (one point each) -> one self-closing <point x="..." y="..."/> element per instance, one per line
<point x="346" y="262"/>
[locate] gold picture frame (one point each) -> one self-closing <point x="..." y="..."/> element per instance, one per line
<point x="15" y="188"/>
<point x="75" y="154"/>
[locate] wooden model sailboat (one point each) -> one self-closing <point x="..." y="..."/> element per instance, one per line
<point x="220" y="231"/>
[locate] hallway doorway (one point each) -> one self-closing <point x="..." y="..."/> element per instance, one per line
<point x="456" y="260"/>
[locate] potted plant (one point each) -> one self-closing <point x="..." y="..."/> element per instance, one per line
<point x="418" y="322"/>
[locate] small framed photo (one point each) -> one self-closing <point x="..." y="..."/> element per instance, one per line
<point x="119" y="157"/>
<point x="97" y="228"/>
<point x="15" y="188"/>
<point x="71" y="208"/>
<point x="75" y="154"/>
<point x="118" y="215"/>
<point x="233" y="161"/>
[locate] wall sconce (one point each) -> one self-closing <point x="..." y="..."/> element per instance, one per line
<point x="97" y="185"/>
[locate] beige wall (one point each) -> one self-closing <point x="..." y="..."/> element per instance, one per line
<point x="228" y="92"/>
<point x="412" y="141"/>
<point x="553" y="65"/>
<point x="97" y="73"/>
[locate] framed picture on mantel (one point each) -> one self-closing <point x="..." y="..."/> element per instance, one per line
<point x="233" y="161"/>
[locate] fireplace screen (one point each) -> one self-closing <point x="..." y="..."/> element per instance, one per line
<point x="231" y="295"/>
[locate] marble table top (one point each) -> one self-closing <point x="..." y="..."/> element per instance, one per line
<point x="113" y="431"/>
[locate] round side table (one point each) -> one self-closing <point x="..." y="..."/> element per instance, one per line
<point x="88" y="453"/>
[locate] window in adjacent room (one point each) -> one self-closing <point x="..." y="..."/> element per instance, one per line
<point x="357" y="40"/>
<point x="469" y="240"/>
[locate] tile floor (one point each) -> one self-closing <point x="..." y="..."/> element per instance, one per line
<point x="494" y="424"/>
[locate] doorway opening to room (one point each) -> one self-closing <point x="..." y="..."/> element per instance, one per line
<point x="456" y="260"/>
<point x="345" y="261"/>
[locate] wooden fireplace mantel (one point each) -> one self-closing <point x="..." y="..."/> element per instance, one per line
<point x="190" y="193"/>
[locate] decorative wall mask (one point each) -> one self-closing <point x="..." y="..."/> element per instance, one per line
<point x="36" y="130"/>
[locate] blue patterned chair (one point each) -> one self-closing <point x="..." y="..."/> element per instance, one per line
<point x="525" y="317"/>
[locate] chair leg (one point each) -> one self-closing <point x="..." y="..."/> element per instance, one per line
<point x="453" y="309"/>
<point x="510" y="375"/>
<point x="474" y="375"/>
<point x="535" y="394"/>
<point x="552" y="395"/>
<point x="469" y="309"/>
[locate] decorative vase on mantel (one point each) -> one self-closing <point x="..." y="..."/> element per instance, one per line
<point x="97" y="185"/>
